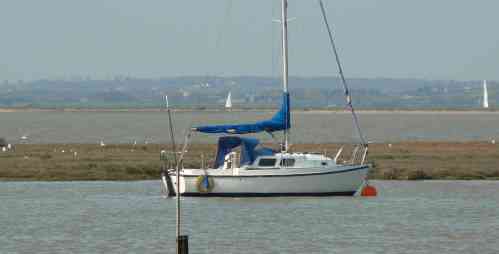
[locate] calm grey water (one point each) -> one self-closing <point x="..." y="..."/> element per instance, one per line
<point x="131" y="217"/>
<point x="308" y="127"/>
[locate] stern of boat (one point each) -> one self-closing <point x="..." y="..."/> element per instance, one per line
<point x="173" y="179"/>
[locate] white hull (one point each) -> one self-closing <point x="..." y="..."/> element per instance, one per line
<point x="341" y="180"/>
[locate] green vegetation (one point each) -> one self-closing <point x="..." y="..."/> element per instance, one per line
<point x="435" y="160"/>
<point x="401" y="161"/>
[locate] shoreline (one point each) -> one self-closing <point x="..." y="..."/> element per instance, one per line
<point x="125" y="162"/>
<point x="312" y="111"/>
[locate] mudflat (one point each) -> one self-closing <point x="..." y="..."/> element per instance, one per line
<point x="396" y="161"/>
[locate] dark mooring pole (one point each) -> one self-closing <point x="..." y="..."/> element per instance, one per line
<point x="182" y="240"/>
<point x="182" y="244"/>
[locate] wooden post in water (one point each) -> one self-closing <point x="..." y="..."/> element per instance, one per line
<point x="183" y="244"/>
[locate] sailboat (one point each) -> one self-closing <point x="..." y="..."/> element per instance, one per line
<point x="245" y="168"/>
<point x="228" y="102"/>
<point x="485" y="95"/>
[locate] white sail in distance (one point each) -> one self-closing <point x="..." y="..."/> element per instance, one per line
<point x="228" y="102"/>
<point x="485" y="95"/>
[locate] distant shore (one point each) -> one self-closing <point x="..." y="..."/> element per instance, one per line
<point x="397" y="161"/>
<point x="307" y="110"/>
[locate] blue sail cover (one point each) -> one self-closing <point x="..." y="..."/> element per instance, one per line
<point x="226" y="144"/>
<point x="280" y="121"/>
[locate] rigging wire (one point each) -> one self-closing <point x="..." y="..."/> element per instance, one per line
<point x="343" y="80"/>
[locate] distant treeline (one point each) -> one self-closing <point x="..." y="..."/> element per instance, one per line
<point x="247" y="92"/>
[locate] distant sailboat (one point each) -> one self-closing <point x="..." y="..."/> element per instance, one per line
<point x="485" y="95"/>
<point x="24" y="138"/>
<point x="228" y="102"/>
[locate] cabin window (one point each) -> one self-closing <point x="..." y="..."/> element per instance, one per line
<point x="266" y="162"/>
<point x="287" y="162"/>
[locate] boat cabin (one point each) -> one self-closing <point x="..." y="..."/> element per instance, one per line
<point x="254" y="157"/>
<point x="292" y="160"/>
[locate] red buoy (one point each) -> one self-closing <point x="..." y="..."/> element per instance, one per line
<point x="369" y="191"/>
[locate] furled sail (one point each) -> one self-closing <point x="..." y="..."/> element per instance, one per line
<point x="280" y="121"/>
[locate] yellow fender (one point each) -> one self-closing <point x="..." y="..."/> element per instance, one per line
<point x="205" y="183"/>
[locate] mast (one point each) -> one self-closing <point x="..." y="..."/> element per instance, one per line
<point x="284" y="22"/>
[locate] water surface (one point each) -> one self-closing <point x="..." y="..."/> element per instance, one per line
<point x="307" y="127"/>
<point x="131" y="217"/>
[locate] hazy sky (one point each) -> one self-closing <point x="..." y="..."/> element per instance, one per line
<point x="433" y="39"/>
